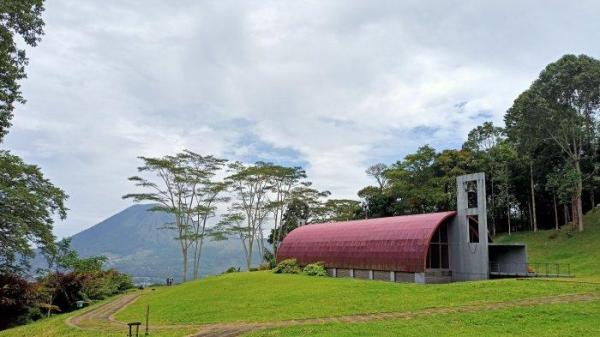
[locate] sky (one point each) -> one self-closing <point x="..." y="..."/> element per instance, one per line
<point x="333" y="86"/>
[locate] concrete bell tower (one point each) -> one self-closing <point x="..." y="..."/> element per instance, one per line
<point x="468" y="233"/>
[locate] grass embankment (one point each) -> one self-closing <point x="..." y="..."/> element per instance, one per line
<point x="580" y="250"/>
<point x="263" y="296"/>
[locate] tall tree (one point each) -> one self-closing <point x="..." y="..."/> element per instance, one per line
<point x="377" y="172"/>
<point x="28" y="204"/>
<point x="251" y="185"/>
<point x="200" y="176"/>
<point x="17" y="18"/>
<point x="562" y="106"/>
<point x="283" y="182"/>
<point x="172" y="194"/>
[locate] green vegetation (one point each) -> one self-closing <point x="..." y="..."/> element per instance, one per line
<point x="56" y="327"/>
<point x="244" y="297"/>
<point x="579" y="319"/>
<point x="580" y="250"/>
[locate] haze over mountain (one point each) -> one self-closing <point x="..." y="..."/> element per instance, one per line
<point x="135" y="244"/>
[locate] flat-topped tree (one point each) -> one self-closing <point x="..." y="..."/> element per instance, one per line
<point x="186" y="189"/>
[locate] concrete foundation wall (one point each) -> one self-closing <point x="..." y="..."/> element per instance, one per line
<point x="362" y="274"/>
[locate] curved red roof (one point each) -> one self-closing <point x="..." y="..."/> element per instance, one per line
<point x="398" y="243"/>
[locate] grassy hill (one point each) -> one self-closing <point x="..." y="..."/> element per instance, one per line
<point x="580" y="250"/>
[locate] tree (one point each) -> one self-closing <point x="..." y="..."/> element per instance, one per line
<point x="562" y="106"/>
<point x="21" y="18"/>
<point x="28" y="203"/>
<point x="173" y="194"/>
<point x="249" y="210"/>
<point x="334" y="210"/>
<point x="296" y="215"/>
<point x="283" y="182"/>
<point x="200" y="173"/>
<point x="377" y="171"/>
<point x="482" y="141"/>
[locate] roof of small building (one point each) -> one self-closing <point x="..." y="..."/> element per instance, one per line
<point x="398" y="243"/>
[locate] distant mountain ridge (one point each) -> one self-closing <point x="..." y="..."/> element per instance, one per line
<point x="135" y="244"/>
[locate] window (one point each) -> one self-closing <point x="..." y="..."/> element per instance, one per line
<point x="437" y="256"/>
<point x="473" y="221"/>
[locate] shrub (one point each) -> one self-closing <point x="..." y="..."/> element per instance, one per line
<point x="288" y="266"/>
<point x="315" y="269"/>
<point x="265" y="266"/>
<point x="252" y="269"/>
<point x="19" y="301"/>
<point x="231" y="270"/>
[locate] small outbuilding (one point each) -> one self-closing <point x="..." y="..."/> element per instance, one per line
<point x="423" y="248"/>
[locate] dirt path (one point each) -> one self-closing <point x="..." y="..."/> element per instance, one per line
<point x="101" y="318"/>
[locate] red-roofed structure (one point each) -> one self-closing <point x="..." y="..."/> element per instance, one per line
<point x="422" y="248"/>
<point x="398" y="243"/>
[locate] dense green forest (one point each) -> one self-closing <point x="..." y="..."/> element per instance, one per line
<point x="541" y="166"/>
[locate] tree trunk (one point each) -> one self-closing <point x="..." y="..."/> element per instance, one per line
<point x="592" y="199"/>
<point x="185" y="264"/>
<point x="566" y="213"/>
<point x="578" y="205"/>
<point x="197" y="257"/>
<point x="535" y="228"/>
<point x="530" y="217"/>
<point x="508" y="217"/>
<point x="555" y="213"/>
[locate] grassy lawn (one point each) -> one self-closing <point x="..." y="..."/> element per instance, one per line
<point x="579" y="319"/>
<point x="580" y="250"/>
<point x="56" y="327"/>
<point x="264" y="296"/>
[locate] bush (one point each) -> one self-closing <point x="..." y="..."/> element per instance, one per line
<point x="315" y="269"/>
<point x="265" y="266"/>
<point x="19" y="301"/>
<point x="288" y="266"/>
<point x="232" y="270"/>
<point x="252" y="269"/>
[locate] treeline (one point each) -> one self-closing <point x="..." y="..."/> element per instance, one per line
<point x="541" y="166"/>
<point x="255" y="203"/>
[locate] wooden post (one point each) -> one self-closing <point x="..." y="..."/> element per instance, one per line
<point x="147" y="316"/>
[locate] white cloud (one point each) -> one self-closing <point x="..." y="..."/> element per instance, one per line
<point x="340" y="84"/>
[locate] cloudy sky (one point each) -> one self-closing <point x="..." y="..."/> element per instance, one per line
<point x="333" y="86"/>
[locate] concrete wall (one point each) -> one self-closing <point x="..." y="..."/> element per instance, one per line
<point x="508" y="259"/>
<point x="469" y="261"/>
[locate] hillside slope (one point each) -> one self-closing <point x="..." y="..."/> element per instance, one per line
<point x="135" y="244"/>
<point x="580" y="250"/>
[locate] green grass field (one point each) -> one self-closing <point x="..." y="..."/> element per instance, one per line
<point x="265" y="297"/>
<point x="578" y="319"/>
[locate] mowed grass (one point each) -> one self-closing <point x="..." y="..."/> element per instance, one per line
<point x="580" y="250"/>
<point x="575" y="319"/>
<point x="264" y="296"/>
<point x="55" y="326"/>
